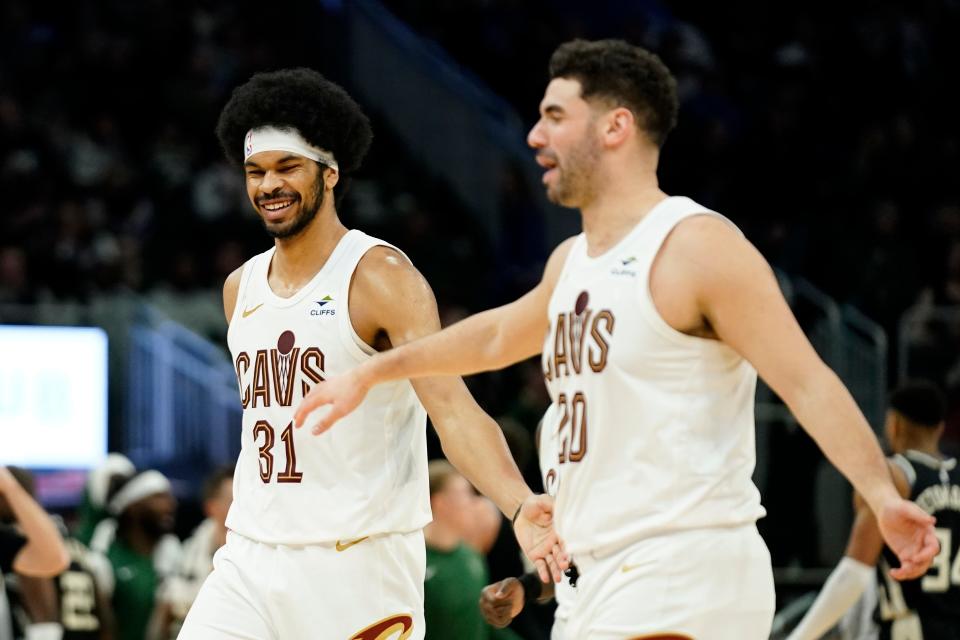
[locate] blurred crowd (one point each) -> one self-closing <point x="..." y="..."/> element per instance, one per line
<point x="117" y="570"/>
<point x="824" y="131"/>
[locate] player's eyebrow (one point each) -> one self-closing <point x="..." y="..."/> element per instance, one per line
<point x="552" y="110"/>
<point x="250" y="164"/>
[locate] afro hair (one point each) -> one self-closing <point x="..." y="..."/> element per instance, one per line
<point x="324" y="114"/>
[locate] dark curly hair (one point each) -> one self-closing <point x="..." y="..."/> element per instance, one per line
<point x="627" y="76"/>
<point x="920" y="402"/>
<point x="324" y="114"/>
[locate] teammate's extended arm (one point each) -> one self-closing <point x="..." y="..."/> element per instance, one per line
<point x="44" y="554"/>
<point x="404" y="309"/>
<point x="483" y="342"/>
<point x="853" y="574"/>
<point x="739" y="297"/>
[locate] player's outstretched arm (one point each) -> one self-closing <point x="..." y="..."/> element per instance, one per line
<point x="738" y="295"/>
<point x="393" y="298"/>
<point x="483" y="342"/>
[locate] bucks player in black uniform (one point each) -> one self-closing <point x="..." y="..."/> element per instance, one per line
<point x="928" y="607"/>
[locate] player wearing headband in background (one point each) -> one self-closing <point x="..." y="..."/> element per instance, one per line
<point x="325" y="534"/>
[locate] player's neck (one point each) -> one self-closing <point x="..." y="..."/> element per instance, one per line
<point x="299" y="258"/>
<point x="616" y="209"/>
<point x="921" y="446"/>
<point x="441" y="537"/>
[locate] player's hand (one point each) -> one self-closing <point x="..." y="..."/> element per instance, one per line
<point x="341" y="394"/>
<point x="7" y="481"/>
<point x="538" y="539"/>
<point x="908" y="531"/>
<point x="501" y="602"/>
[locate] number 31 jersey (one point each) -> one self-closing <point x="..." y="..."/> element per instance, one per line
<point x="656" y="427"/>
<point x="366" y="475"/>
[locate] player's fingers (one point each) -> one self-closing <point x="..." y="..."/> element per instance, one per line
<point x="327" y="421"/>
<point x="563" y="560"/>
<point x="306" y="406"/>
<point x="906" y="571"/>
<point x="542" y="570"/>
<point x="554" y="568"/>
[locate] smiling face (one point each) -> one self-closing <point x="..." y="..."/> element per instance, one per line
<point x="568" y="144"/>
<point x="286" y="190"/>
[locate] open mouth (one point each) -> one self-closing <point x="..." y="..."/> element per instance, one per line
<point x="548" y="163"/>
<point x="276" y="208"/>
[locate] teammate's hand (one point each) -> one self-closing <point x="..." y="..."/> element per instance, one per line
<point x="538" y="539"/>
<point x="908" y="531"/>
<point x="341" y="394"/>
<point x="501" y="602"/>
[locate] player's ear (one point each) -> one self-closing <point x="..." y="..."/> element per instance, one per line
<point x="618" y="125"/>
<point x="330" y="177"/>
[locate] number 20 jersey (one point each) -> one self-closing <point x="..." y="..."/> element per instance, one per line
<point x="656" y="427"/>
<point x="366" y="475"/>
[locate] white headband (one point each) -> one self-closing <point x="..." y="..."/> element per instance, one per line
<point x="274" y="139"/>
<point x="141" y="486"/>
<point x="98" y="482"/>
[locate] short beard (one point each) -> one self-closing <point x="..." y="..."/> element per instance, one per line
<point x="576" y="184"/>
<point x="308" y="211"/>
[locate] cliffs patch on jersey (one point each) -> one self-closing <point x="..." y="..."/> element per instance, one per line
<point x="581" y="338"/>
<point x="275" y="372"/>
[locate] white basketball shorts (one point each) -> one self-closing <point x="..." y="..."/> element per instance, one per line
<point x="367" y="589"/>
<point x="714" y="584"/>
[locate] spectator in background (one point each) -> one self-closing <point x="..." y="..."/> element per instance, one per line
<point x="31" y="548"/>
<point x="101" y="482"/>
<point x="464" y="526"/>
<point x="196" y="561"/>
<point x="66" y="607"/>
<point x="143" y="552"/>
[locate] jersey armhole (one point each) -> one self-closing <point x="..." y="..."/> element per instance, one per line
<point x="348" y="334"/>
<point x="248" y="269"/>
<point x="647" y="304"/>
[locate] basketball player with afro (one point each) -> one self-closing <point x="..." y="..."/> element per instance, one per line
<point x="653" y="325"/>
<point x="325" y="534"/>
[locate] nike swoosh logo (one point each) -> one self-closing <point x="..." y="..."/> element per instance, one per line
<point x="247" y="312"/>
<point x="344" y="546"/>
<point x="627" y="568"/>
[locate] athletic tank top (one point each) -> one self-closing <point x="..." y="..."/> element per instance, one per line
<point x="368" y="474"/>
<point x="548" y="455"/>
<point x="656" y="428"/>
<point x="932" y="601"/>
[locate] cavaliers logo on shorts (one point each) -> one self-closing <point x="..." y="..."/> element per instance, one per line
<point x="387" y="628"/>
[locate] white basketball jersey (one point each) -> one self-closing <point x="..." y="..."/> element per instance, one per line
<point x="548" y="455"/>
<point x="366" y="475"/>
<point x="656" y="428"/>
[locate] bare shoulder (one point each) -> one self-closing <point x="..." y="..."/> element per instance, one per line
<point x="231" y="288"/>
<point x="708" y="251"/>
<point x="387" y="293"/>
<point x="702" y="236"/>
<point x="386" y="274"/>
<point x="556" y="260"/>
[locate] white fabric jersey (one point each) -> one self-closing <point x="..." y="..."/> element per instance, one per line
<point x="656" y="432"/>
<point x="368" y="474"/>
<point x="549" y="470"/>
